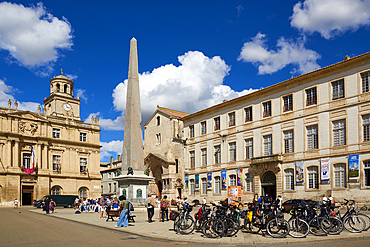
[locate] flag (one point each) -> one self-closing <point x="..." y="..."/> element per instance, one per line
<point x="32" y="161"/>
<point x="87" y="167"/>
<point x="58" y="166"/>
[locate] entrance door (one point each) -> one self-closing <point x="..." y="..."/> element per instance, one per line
<point x="179" y="192"/>
<point x="27" y="195"/>
<point x="159" y="186"/>
<point x="268" y="183"/>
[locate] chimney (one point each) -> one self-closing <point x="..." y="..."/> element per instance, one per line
<point x="119" y="157"/>
<point x="111" y="159"/>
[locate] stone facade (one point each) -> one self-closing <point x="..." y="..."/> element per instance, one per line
<point x="291" y="128"/>
<point x="108" y="172"/>
<point x="64" y="147"/>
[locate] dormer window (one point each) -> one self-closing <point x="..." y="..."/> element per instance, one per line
<point x="158" y="120"/>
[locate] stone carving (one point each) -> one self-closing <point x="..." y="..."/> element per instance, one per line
<point x="147" y="172"/>
<point x="130" y="171"/>
<point x="27" y="127"/>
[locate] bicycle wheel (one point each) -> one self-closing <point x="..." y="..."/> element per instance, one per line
<point x="185" y="225"/>
<point x="364" y="208"/>
<point x="228" y="226"/>
<point x="335" y="226"/>
<point x="213" y="228"/>
<point x="316" y="228"/>
<point x="354" y="223"/>
<point x="236" y="228"/>
<point x="366" y="219"/>
<point x="298" y="228"/>
<point x="277" y="228"/>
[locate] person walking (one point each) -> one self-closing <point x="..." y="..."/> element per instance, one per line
<point x="52" y="206"/>
<point x="123" y="218"/>
<point x="15" y="203"/>
<point x="150" y="207"/>
<point x="165" y="204"/>
<point x="47" y="205"/>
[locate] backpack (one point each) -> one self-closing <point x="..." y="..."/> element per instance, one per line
<point x="130" y="207"/>
<point x="163" y="205"/>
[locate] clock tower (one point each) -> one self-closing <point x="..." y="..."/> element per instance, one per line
<point x="61" y="101"/>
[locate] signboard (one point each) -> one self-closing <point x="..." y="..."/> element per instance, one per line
<point x="325" y="169"/>
<point x="239" y="177"/>
<point x="197" y="181"/>
<point x="209" y="180"/>
<point x="353" y="167"/>
<point x="223" y="179"/>
<point x="299" y="172"/>
<point x="234" y="194"/>
<point x="187" y="182"/>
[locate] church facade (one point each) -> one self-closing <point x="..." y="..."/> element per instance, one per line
<point x="50" y="153"/>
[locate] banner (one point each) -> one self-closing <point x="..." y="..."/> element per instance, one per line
<point x="353" y="165"/>
<point x="209" y="180"/>
<point x="299" y="172"/>
<point x="239" y="177"/>
<point x="234" y="194"/>
<point x="197" y="181"/>
<point x="223" y="179"/>
<point x="325" y="169"/>
<point x="187" y="182"/>
<point x="31" y="168"/>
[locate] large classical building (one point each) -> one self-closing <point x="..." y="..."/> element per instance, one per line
<point x="66" y="150"/>
<point x="301" y="138"/>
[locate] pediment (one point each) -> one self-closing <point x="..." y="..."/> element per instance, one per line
<point x="27" y="116"/>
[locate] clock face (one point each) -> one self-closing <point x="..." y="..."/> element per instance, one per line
<point x="67" y="107"/>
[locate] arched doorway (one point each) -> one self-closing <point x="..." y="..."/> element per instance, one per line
<point x="268" y="184"/>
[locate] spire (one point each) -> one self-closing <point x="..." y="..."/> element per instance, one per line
<point x="61" y="70"/>
<point x="133" y="71"/>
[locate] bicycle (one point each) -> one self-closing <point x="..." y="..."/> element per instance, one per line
<point x="184" y="222"/>
<point x="299" y="228"/>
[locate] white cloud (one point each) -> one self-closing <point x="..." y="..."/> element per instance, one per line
<point x="107" y="124"/>
<point x="33" y="36"/>
<point x="110" y="149"/>
<point x="197" y="83"/>
<point x="81" y="94"/>
<point x="330" y="17"/>
<point x="288" y="52"/>
<point x="72" y="77"/>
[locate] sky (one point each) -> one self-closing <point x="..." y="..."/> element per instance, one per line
<point x="192" y="54"/>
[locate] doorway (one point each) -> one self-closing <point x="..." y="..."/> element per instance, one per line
<point x="27" y="195"/>
<point x="159" y="187"/>
<point x="179" y="192"/>
<point x="268" y="183"/>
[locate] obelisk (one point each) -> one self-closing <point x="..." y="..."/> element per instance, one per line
<point x="133" y="153"/>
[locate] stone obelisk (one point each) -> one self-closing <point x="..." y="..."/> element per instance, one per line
<point x="133" y="183"/>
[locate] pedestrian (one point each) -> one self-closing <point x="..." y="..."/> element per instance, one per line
<point x="259" y="201"/>
<point x="266" y="201"/>
<point x="52" y="205"/>
<point x="115" y="204"/>
<point x="47" y="205"/>
<point x="102" y="207"/>
<point x="324" y="199"/>
<point x="165" y="204"/>
<point x="157" y="202"/>
<point x="150" y="205"/>
<point x="279" y="201"/>
<point x="123" y="218"/>
<point x="15" y="203"/>
<point x="77" y="203"/>
<point x="204" y="201"/>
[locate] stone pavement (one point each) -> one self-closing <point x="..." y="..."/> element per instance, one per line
<point x="164" y="230"/>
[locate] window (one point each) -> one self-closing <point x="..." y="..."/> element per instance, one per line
<point x="366" y="127"/>
<point x="204" y="156"/>
<point x="217" y="185"/>
<point x="248" y="182"/>
<point x="313" y="177"/>
<point x="311" y="96"/>
<point x="158" y="120"/>
<point x="248" y="114"/>
<point x="83" y="163"/>
<point x="289" y="179"/>
<point x="177" y="165"/>
<point x="339" y="132"/>
<point x="65" y="88"/>
<point x="218" y="154"/>
<point x="192" y="187"/>
<point x="139" y="194"/>
<point x="109" y="175"/>
<point x="191" y="131"/>
<point x="82" y="192"/>
<point x="56" y="133"/>
<point x="231" y="119"/>
<point x="312" y="137"/>
<point x="340" y="175"/>
<point x="55" y="190"/>
<point x="203" y="127"/>
<point x="288" y="141"/>
<point x="109" y="187"/>
<point x="266" y="109"/>
<point x="58" y="87"/>
<point x="267" y="145"/>
<point x="288" y="103"/>
<point x="217" y="123"/>
<point x="338" y="89"/>
<point x="56" y="163"/>
<point x="192" y="159"/>
<point x="114" y="187"/>
<point x="367" y="172"/>
<point x="204" y="186"/>
<point x="158" y="138"/>
<point x="249" y="148"/>
<point x="365" y="78"/>
<point x="232" y="180"/>
<point x="124" y="192"/>
<point x="82" y="137"/>
<point x="232" y="151"/>
<point x="27" y="161"/>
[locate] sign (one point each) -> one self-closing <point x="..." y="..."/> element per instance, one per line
<point x="239" y="177"/>
<point x="299" y="172"/>
<point x="197" y="181"/>
<point x="187" y="182"/>
<point x="209" y="180"/>
<point x="234" y="194"/>
<point x="353" y="167"/>
<point x="223" y="179"/>
<point x="325" y="169"/>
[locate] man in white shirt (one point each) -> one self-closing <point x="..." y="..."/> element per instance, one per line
<point x="15" y="203"/>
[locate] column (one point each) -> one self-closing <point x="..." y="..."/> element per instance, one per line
<point x="38" y="156"/>
<point x="8" y="154"/>
<point x="16" y="154"/>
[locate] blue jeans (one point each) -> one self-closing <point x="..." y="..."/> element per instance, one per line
<point x="47" y="208"/>
<point x="164" y="212"/>
<point x="123" y="218"/>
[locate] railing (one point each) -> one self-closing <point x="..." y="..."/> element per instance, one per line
<point x="266" y="159"/>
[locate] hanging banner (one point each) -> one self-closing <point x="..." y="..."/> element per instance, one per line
<point x="197" y="181"/>
<point x="31" y="168"/>
<point x="209" y="180"/>
<point x="239" y="175"/>
<point x="234" y="194"/>
<point x="325" y="170"/>
<point x="187" y="182"/>
<point x="299" y="172"/>
<point x="353" y="165"/>
<point x="223" y="179"/>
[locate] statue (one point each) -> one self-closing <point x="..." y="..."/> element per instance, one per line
<point x="130" y="171"/>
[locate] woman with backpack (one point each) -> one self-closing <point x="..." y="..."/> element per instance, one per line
<point x="124" y="207"/>
<point x="165" y="204"/>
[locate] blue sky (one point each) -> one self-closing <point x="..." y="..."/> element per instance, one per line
<point x="192" y="54"/>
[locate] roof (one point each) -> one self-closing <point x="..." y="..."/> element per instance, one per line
<point x="173" y="112"/>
